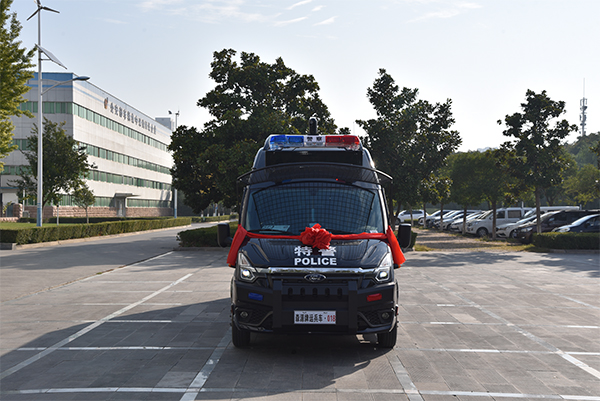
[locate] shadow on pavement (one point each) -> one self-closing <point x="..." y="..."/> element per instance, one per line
<point x="162" y="351"/>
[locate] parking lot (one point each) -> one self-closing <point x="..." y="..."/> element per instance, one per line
<point x="474" y="326"/>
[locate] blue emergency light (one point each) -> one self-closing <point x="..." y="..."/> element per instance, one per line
<point x="255" y="296"/>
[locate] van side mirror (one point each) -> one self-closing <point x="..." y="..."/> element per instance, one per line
<point x="404" y="235"/>
<point x="223" y="235"/>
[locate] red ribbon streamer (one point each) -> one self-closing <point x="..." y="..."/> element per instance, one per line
<point x="315" y="234"/>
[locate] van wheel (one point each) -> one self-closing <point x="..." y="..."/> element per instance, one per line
<point x="239" y="337"/>
<point x="388" y="340"/>
<point x="482" y="232"/>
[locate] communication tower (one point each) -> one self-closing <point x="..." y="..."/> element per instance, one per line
<point x="583" y="108"/>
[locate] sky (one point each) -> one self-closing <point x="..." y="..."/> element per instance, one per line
<point x="484" y="55"/>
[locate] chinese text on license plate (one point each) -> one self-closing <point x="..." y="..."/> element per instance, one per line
<point x="314" y="317"/>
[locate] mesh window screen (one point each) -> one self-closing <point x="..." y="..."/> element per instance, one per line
<point x="337" y="208"/>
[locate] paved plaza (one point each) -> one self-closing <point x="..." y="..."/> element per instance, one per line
<point x="474" y="326"/>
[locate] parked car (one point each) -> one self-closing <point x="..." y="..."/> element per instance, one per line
<point x="404" y="216"/>
<point x="457" y="224"/>
<point x="456" y="217"/>
<point x="586" y="224"/>
<point x="424" y="221"/>
<point x="508" y="230"/>
<point x="546" y="209"/>
<point x="435" y="223"/>
<point x="550" y="221"/>
<point x="482" y="226"/>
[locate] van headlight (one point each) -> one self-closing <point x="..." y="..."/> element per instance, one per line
<point x="246" y="272"/>
<point x="383" y="273"/>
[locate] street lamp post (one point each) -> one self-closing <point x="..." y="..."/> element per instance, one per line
<point x="175" y="192"/>
<point x="52" y="58"/>
<point x="40" y="170"/>
<point x="40" y="130"/>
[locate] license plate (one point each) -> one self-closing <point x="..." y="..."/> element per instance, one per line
<point x="314" y="317"/>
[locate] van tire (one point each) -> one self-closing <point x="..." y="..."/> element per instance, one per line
<point x="388" y="339"/>
<point x="239" y="337"/>
<point x="482" y="232"/>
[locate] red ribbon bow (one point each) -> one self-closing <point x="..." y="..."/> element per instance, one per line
<point x="316" y="237"/>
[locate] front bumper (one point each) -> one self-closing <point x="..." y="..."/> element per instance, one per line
<point x="271" y="309"/>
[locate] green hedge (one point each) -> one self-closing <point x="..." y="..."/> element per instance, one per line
<point x="82" y="220"/>
<point x="567" y="240"/>
<point x="57" y="233"/>
<point x="202" y="237"/>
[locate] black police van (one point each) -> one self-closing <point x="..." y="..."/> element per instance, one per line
<point x="314" y="252"/>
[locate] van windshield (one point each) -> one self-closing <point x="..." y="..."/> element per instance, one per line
<point x="485" y="215"/>
<point x="290" y="208"/>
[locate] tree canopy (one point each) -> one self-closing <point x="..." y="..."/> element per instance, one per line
<point x="410" y="139"/>
<point x="65" y="164"/>
<point x="15" y="62"/>
<point x="251" y="100"/>
<point x="536" y="152"/>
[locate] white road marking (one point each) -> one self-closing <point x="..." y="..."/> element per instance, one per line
<point x="87" y="329"/>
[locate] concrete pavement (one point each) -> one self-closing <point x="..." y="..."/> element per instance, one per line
<point x="474" y="326"/>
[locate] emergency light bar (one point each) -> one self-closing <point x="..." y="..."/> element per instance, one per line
<point x="280" y="141"/>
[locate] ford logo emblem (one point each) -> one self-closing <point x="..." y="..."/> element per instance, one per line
<point x="314" y="277"/>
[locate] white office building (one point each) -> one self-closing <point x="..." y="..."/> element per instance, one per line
<point x="129" y="149"/>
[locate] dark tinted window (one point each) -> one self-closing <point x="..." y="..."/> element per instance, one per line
<point x="291" y="208"/>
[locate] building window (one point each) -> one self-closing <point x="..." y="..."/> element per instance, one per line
<point x="80" y="111"/>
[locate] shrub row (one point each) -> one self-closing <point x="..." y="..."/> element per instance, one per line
<point x="202" y="237"/>
<point x="57" y="233"/>
<point x="567" y="240"/>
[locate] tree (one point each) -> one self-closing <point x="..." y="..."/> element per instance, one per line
<point x="435" y="189"/>
<point x="465" y="186"/>
<point x="65" y="164"/>
<point x="495" y="182"/>
<point x="558" y="193"/>
<point x="410" y="139"/>
<point x="595" y="149"/>
<point x="84" y="197"/>
<point x="583" y="186"/>
<point x="250" y="100"/>
<point x="14" y="64"/>
<point x="536" y="149"/>
<point x="582" y="149"/>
